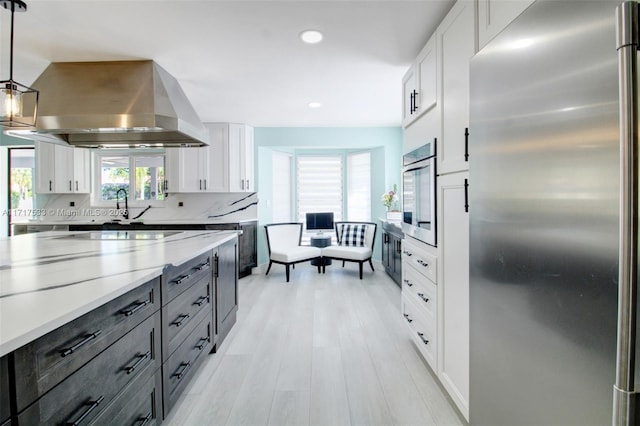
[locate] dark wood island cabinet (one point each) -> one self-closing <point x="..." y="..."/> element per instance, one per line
<point x="128" y="360"/>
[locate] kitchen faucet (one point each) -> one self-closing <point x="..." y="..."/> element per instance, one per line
<point x="126" y="203"/>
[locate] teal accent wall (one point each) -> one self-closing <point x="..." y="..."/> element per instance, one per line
<point x="385" y="144"/>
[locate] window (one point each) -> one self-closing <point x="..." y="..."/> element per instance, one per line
<point x="282" y="200"/>
<point x="319" y="185"/>
<point x="359" y="186"/>
<point x="146" y="183"/>
<point x="21" y="191"/>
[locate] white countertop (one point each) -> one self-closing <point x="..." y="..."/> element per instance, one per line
<point x="48" y="279"/>
<point x="84" y="221"/>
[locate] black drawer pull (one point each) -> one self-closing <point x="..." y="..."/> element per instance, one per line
<point x="201" y="266"/>
<point x="92" y="406"/>
<point x="408" y="253"/>
<point x="201" y="300"/>
<point x="466" y="144"/>
<point x="84" y="341"/>
<point x="409" y="283"/>
<point x="182" y="279"/>
<point x="426" y="299"/>
<point x="136" y="308"/>
<point x="146" y="419"/>
<point x="423" y="263"/>
<point x="182" y="319"/>
<point x="408" y="318"/>
<point x="202" y="342"/>
<point x="184" y="367"/>
<point x="131" y="369"/>
<point x="421" y="336"/>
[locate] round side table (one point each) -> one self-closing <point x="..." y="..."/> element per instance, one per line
<point x="321" y="240"/>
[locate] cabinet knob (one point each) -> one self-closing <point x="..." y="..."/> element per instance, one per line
<point x="409" y="283"/>
<point x="408" y="318"/>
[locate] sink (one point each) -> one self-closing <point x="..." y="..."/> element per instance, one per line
<point x="121" y="235"/>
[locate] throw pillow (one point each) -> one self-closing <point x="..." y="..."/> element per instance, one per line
<point x="353" y="235"/>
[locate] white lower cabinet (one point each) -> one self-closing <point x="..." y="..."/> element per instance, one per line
<point x="453" y="286"/>
<point x="422" y="331"/>
<point x="420" y="298"/>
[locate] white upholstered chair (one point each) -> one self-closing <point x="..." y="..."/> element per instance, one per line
<point x="355" y="243"/>
<point x="283" y="241"/>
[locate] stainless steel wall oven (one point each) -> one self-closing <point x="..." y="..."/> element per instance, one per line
<point x="419" y="193"/>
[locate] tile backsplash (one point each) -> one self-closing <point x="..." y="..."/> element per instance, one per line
<point x="210" y="207"/>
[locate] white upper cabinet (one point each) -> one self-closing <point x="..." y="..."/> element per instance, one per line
<point x="495" y="15"/>
<point x="236" y="140"/>
<point x="426" y="67"/>
<point x="409" y="91"/>
<point x="419" y="85"/>
<point x="456" y="37"/>
<point x="61" y="169"/>
<point x="81" y="170"/>
<point x="188" y="170"/>
<point x="226" y="165"/>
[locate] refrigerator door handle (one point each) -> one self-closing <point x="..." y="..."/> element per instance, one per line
<point x="624" y="395"/>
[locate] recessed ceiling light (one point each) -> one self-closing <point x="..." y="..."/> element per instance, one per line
<point x="315" y="104"/>
<point x="311" y="36"/>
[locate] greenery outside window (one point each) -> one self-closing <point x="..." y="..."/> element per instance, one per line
<point x="142" y="176"/>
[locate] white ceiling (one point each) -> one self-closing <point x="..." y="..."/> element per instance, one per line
<point x="242" y="61"/>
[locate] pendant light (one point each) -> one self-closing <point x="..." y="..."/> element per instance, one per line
<point x="18" y="103"/>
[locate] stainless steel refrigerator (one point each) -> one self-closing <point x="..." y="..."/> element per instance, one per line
<point x="544" y="218"/>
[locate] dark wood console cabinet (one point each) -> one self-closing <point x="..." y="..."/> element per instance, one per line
<point x="247" y="242"/>
<point x="392" y="252"/>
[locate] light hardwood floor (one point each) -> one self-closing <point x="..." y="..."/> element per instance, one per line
<point x="321" y="350"/>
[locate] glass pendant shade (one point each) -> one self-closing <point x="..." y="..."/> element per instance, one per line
<point x="18" y="103"/>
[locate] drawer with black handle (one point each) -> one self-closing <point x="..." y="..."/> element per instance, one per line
<point x="184" y="313"/>
<point x="178" y="279"/>
<point x="139" y="404"/>
<point x="45" y="362"/>
<point x="179" y="368"/>
<point x="88" y="391"/>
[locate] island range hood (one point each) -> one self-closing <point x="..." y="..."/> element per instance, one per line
<point x="115" y="104"/>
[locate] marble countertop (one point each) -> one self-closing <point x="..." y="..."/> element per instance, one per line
<point x="50" y="278"/>
<point x="83" y="221"/>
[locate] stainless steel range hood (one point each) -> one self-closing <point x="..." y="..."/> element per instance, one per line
<point x="113" y="104"/>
